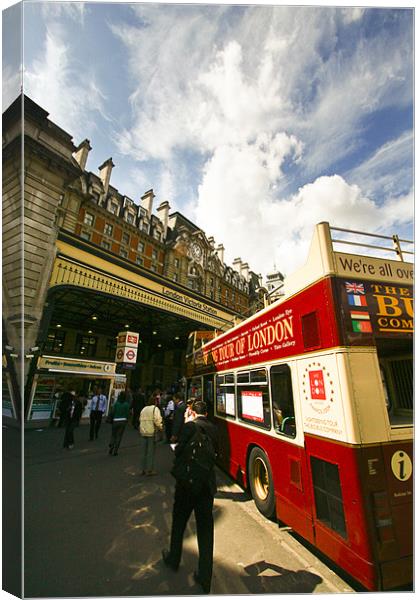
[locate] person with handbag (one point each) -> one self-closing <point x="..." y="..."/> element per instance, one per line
<point x="118" y="416"/>
<point x="150" y="426"/>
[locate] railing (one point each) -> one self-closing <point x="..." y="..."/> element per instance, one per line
<point x="396" y="245"/>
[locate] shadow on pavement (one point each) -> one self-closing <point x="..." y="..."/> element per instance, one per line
<point x="95" y="527"/>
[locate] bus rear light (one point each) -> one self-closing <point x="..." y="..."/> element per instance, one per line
<point x="383" y="517"/>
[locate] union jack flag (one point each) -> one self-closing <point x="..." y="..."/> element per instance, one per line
<point x="355" y="288"/>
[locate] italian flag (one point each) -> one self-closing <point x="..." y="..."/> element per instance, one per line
<point x="360" y="321"/>
<point x="362" y="326"/>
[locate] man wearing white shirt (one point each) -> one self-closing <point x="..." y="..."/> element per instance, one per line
<point x="97" y="409"/>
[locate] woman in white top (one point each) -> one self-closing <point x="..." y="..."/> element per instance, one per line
<point x="150" y="423"/>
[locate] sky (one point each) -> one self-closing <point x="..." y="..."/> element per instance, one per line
<point x="254" y="121"/>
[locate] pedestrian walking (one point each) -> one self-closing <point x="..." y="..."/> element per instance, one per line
<point x="195" y="489"/>
<point x="97" y="409"/>
<point x="169" y="417"/>
<point x="119" y="413"/>
<point x="178" y="420"/>
<point x="189" y="414"/>
<point x="149" y="425"/>
<point x="63" y="405"/>
<point x="137" y="405"/>
<point x="72" y="413"/>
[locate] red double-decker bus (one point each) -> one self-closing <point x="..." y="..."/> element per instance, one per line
<point x="313" y="398"/>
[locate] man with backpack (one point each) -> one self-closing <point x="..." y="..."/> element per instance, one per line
<point x="195" y="488"/>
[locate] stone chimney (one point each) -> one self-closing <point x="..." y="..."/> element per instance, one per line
<point x="237" y="265"/>
<point x="220" y="251"/>
<point x="245" y="271"/>
<point x="147" y="202"/>
<point x="163" y="214"/>
<point x="81" y="154"/>
<point x="105" y="173"/>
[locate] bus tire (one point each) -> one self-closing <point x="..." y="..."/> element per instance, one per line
<point x="261" y="482"/>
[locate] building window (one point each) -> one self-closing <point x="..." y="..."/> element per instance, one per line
<point x="114" y="208"/>
<point x="89" y="219"/>
<point x="140" y="247"/>
<point x="123" y="253"/>
<point x="139" y="261"/>
<point x="55" y="341"/>
<point x="154" y="254"/>
<point x="108" y="229"/>
<point x="211" y="282"/>
<point x="157" y="235"/>
<point x="106" y="245"/>
<point x="175" y="276"/>
<point x="85" y="235"/>
<point x="86" y="345"/>
<point x="176" y="263"/>
<point x="153" y="268"/>
<point x="145" y="227"/>
<point x="130" y="218"/>
<point x="111" y="345"/>
<point x="125" y="238"/>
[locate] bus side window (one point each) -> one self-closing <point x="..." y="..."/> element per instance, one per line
<point x="282" y="400"/>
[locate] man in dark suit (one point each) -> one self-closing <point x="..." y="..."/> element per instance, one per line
<point x="178" y="420"/>
<point x="200" y="500"/>
<point x="73" y="411"/>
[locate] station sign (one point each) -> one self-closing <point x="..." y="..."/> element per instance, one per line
<point x="75" y="365"/>
<point x="126" y="352"/>
<point x="128" y="338"/>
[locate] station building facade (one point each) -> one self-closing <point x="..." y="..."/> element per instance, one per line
<point x="83" y="262"/>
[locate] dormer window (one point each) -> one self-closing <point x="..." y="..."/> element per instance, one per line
<point x="114" y="208"/>
<point x="130" y="218"/>
<point x="157" y="235"/>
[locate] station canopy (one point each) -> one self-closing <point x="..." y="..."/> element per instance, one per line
<point x="101" y="314"/>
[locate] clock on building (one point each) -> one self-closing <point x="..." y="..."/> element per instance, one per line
<point x="196" y="251"/>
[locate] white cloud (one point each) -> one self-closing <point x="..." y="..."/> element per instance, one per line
<point x="56" y="10"/>
<point x="56" y="81"/>
<point x="388" y="170"/>
<point x="265" y="231"/>
<point x="11" y="85"/>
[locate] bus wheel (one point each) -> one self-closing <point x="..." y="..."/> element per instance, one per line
<point x="261" y="482"/>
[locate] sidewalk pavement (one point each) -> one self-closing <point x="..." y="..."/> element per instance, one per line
<point x="95" y="527"/>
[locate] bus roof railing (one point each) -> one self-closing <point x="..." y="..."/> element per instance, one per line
<point x="395" y="239"/>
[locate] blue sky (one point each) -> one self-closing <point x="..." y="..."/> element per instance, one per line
<point x="255" y="121"/>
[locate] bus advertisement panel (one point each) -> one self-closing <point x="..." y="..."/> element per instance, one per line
<point x="374" y="309"/>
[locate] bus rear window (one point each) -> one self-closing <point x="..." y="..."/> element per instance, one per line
<point x="397" y="380"/>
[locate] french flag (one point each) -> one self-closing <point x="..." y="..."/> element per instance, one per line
<point x="357" y="300"/>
